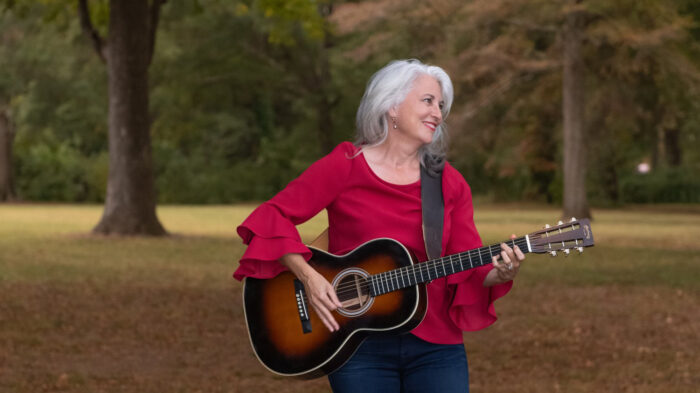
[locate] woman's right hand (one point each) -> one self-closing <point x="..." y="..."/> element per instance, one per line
<point x="319" y="291"/>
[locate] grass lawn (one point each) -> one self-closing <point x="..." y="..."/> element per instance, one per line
<point x="82" y="313"/>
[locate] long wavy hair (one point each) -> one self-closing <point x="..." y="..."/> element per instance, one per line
<point x="387" y="89"/>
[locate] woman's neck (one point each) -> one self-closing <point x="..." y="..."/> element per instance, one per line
<point x="393" y="162"/>
<point x="393" y="154"/>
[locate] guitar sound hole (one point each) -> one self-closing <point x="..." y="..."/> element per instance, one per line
<point x="352" y="288"/>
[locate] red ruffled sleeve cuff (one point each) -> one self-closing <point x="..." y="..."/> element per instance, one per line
<point x="472" y="306"/>
<point x="269" y="236"/>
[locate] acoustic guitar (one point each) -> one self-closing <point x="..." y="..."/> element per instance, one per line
<point x="381" y="289"/>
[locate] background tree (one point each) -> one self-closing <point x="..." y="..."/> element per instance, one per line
<point x="506" y="58"/>
<point x="6" y="141"/>
<point x="573" y="106"/>
<point x="8" y="41"/>
<point x="130" y="205"/>
<point x="246" y="94"/>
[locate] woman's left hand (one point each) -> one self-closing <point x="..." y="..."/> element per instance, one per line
<point x="506" y="265"/>
<point x="509" y="265"/>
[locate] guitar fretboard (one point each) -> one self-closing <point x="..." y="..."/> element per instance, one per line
<point x="418" y="273"/>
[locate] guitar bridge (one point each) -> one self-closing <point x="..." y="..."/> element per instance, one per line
<point x="300" y="295"/>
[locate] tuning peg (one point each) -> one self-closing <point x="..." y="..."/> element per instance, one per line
<point x="560" y="222"/>
<point x="573" y="219"/>
<point x="553" y="253"/>
<point x="546" y="226"/>
<point x="580" y="250"/>
<point x="566" y="252"/>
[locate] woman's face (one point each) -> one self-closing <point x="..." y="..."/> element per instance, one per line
<point x="419" y="115"/>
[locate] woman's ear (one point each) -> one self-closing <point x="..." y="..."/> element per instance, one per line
<point x="393" y="112"/>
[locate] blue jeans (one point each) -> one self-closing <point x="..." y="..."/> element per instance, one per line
<point x="402" y="364"/>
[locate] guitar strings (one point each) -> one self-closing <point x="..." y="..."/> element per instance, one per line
<point x="392" y="276"/>
<point x="405" y="271"/>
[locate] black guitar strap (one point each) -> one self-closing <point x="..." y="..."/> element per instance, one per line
<point x="433" y="208"/>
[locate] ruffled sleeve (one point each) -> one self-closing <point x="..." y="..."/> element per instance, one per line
<point x="270" y="230"/>
<point x="472" y="306"/>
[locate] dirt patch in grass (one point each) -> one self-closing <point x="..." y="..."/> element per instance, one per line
<point x="97" y="337"/>
<point x="106" y="338"/>
<point x="590" y="339"/>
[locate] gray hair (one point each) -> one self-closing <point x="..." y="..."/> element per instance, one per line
<point x="387" y="89"/>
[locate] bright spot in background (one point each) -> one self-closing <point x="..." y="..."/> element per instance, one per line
<point x="643" y="167"/>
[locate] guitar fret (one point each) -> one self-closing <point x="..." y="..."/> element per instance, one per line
<point x="406" y="276"/>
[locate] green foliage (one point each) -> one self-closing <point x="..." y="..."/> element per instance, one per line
<point x="281" y="18"/>
<point x="57" y="173"/>
<point x="243" y="92"/>
<point x="666" y="185"/>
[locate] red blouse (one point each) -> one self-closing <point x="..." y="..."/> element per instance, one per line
<point x="362" y="207"/>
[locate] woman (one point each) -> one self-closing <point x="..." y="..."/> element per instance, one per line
<point x="371" y="189"/>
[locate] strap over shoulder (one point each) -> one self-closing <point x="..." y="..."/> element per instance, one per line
<point x="433" y="207"/>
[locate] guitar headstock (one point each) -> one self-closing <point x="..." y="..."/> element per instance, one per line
<point x="573" y="235"/>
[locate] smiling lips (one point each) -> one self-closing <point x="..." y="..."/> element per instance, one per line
<point x="430" y="125"/>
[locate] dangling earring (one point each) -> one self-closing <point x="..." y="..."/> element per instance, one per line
<point x="393" y="120"/>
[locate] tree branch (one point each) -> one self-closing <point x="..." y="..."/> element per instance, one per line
<point x="153" y="19"/>
<point x="89" y="29"/>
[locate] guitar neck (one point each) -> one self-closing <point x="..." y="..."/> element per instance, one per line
<point x="418" y="273"/>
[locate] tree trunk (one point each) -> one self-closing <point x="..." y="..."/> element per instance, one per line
<point x="6" y="137"/>
<point x="325" y="102"/>
<point x="575" y="199"/>
<point x="672" y="143"/>
<point x="325" y="123"/>
<point x="130" y="206"/>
